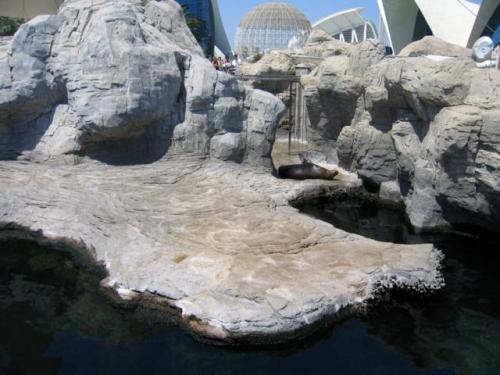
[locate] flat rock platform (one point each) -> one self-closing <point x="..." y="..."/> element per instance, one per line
<point x="217" y="241"/>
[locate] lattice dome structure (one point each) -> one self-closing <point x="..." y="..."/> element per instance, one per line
<point x="269" y="27"/>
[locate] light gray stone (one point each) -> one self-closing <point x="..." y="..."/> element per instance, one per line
<point x="364" y="55"/>
<point x="215" y="240"/>
<point x="228" y="114"/>
<point x="228" y="147"/>
<point x="127" y="72"/>
<point x="168" y="17"/>
<point x="28" y="88"/>
<point x="427" y="126"/>
<point x="430" y="45"/>
<point x="323" y="45"/>
<point x="371" y="153"/>
<point x="391" y="192"/>
<point x="263" y="117"/>
<point x="331" y="96"/>
<point x="272" y="64"/>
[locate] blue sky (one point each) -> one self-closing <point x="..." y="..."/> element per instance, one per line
<point x="232" y="11"/>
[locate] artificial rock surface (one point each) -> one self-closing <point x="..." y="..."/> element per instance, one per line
<point x="422" y="126"/>
<point x="102" y="79"/>
<point x="216" y="240"/>
<point x="117" y="135"/>
<point x="431" y="45"/>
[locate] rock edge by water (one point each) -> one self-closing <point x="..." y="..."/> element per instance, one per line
<point x="217" y="241"/>
<point x="117" y="135"/>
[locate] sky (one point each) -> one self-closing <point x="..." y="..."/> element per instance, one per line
<point x="232" y="11"/>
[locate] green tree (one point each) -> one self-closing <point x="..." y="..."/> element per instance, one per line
<point x="9" y="26"/>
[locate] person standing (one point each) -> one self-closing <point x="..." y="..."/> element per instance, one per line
<point x="215" y="63"/>
<point x="227" y="65"/>
<point x="220" y="64"/>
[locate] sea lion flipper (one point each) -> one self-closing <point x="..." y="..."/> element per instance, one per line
<point x="275" y="172"/>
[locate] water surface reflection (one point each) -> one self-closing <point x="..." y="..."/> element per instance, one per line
<point x="56" y="320"/>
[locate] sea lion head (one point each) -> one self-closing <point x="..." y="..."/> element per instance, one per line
<point x="330" y="175"/>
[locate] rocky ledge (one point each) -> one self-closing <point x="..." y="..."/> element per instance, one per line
<point x="215" y="240"/>
<point x="116" y="134"/>
<point x="421" y="127"/>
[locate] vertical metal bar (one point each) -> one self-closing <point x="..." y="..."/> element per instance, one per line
<point x="296" y="117"/>
<point x="290" y="119"/>
<point x="305" y="115"/>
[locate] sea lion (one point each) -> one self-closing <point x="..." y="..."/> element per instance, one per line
<point x="306" y="171"/>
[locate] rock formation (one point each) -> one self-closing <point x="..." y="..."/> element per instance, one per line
<point x="423" y="130"/>
<point x="175" y="224"/>
<point x="272" y="65"/>
<point x="217" y="241"/>
<point x="431" y="45"/>
<point x="323" y="45"/>
<point x="115" y="76"/>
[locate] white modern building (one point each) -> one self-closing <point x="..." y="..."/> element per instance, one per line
<point x="488" y="19"/>
<point x="348" y="26"/>
<point x="405" y="21"/>
<point x="221" y="41"/>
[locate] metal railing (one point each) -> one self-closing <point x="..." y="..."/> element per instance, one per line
<point x="297" y="112"/>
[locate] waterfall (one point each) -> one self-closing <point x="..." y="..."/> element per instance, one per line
<point x="299" y="136"/>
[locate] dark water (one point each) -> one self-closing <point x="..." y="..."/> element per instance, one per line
<point x="54" y="319"/>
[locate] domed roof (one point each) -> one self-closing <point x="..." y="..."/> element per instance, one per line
<point x="271" y="26"/>
<point x="276" y="15"/>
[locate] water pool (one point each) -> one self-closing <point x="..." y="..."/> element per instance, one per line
<point x="55" y="318"/>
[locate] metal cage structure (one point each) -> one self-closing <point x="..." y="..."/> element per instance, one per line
<point x="269" y="27"/>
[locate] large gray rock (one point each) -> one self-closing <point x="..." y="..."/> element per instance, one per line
<point x="28" y="88"/>
<point x="227" y="147"/>
<point x="323" y="45"/>
<point x="333" y="89"/>
<point x="364" y="55"/>
<point x="274" y="64"/>
<point x="421" y="124"/>
<point x="271" y="64"/>
<point x="430" y="45"/>
<point x="123" y="72"/>
<point x="216" y="241"/>
<point x="370" y="152"/>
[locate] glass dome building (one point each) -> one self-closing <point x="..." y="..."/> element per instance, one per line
<point x="271" y="26"/>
